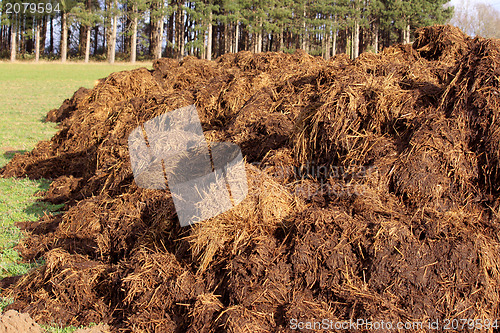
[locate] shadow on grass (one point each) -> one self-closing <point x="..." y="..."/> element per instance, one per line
<point x="8" y="155"/>
<point x="40" y="207"/>
<point x="11" y="153"/>
<point x="43" y="186"/>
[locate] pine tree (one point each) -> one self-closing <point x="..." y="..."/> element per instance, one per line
<point x="254" y="18"/>
<point x="430" y="12"/>
<point x="231" y="16"/>
<point x="135" y="12"/>
<point x="66" y="7"/>
<point x="375" y="11"/>
<point x="12" y="20"/>
<point x="280" y="16"/>
<point x="159" y="9"/>
<point x="209" y="28"/>
<point x="210" y="8"/>
<point x="87" y="16"/>
<point x="325" y="24"/>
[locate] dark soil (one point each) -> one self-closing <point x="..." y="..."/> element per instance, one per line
<point x="373" y="194"/>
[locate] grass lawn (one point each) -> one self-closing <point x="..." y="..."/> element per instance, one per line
<point x="27" y="92"/>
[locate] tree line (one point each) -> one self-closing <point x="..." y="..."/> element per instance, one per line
<point x="149" y="29"/>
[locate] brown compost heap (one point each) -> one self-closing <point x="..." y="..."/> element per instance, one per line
<point x="373" y="194"/>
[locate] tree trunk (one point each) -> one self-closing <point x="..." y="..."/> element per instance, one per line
<point x="355" y="40"/>
<point x="126" y="24"/>
<point x="327" y="42"/>
<point x="259" y="37"/>
<point x="304" y="32"/>
<point x="154" y="36"/>
<point x="334" y="43"/>
<point x="13" y="44"/>
<point x="246" y="39"/>
<point x="231" y="38"/>
<point x="22" y="43"/>
<point x="407" y="34"/>
<point x="51" y="44"/>
<point x="170" y="36"/>
<point x="43" y="34"/>
<point x="160" y="38"/>
<point x="209" y="41"/>
<point x="181" y="33"/>
<point x="37" y="41"/>
<point x="81" y="39"/>
<point x="96" y="40"/>
<point x="133" y="43"/>
<point x="177" y="34"/>
<point x="348" y="42"/>
<point x="237" y="36"/>
<point x="87" y="45"/>
<point x="323" y="43"/>
<point x="258" y="46"/>
<point x="113" y="34"/>
<point x="281" y="40"/>
<point x="64" y="36"/>
<point x="105" y="40"/>
<point x="375" y="37"/>
<point x="218" y="41"/>
<point x="125" y="44"/>
<point x="204" y="49"/>
<point x="226" y="38"/>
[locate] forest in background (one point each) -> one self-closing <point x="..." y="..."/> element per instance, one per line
<point x="131" y="30"/>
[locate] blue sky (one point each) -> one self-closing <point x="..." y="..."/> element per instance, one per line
<point x="494" y="3"/>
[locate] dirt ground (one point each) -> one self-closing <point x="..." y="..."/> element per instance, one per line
<point x="373" y="194"/>
<point x="12" y="321"/>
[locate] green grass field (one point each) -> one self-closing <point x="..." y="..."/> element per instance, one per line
<point x="27" y="92"/>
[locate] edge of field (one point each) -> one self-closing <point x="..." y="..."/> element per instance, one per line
<point x="27" y="92"/>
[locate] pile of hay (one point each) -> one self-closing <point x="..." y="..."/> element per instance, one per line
<point x="373" y="190"/>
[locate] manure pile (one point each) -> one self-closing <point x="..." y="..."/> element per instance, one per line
<point x="372" y="194"/>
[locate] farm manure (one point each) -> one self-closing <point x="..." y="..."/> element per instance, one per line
<point x="473" y="97"/>
<point x="373" y="189"/>
<point x="68" y="106"/>
<point x="444" y="43"/>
